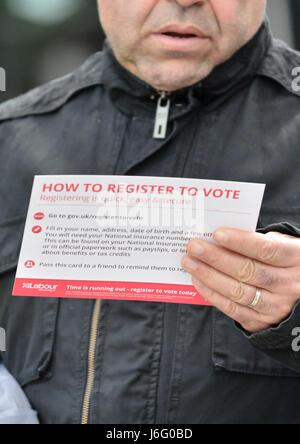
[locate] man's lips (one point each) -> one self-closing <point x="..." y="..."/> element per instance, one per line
<point x="180" y="38"/>
<point x="179" y="31"/>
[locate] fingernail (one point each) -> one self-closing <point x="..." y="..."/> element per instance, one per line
<point x="221" y="237"/>
<point x="197" y="249"/>
<point x="189" y="264"/>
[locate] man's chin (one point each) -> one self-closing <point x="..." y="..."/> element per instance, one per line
<point x="172" y="75"/>
<point x="170" y="79"/>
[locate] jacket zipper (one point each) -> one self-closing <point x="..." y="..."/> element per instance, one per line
<point x="162" y="115"/>
<point x="91" y="364"/>
<point x="160" y="132"/>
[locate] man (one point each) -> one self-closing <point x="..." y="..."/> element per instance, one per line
<point x="233" y="116"/>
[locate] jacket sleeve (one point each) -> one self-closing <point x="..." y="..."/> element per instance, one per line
<point x="277" y="342"/>
<point x="14" y="406"/>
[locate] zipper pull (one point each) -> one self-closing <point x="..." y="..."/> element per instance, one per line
<point x="162" y="116"/>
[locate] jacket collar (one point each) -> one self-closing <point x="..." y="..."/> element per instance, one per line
<point x="241" y="68"/>
<point x="262" y="56"/>
<point x="133" y="96"/>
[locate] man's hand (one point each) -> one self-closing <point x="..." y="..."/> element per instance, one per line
<point x="228" y="275"/>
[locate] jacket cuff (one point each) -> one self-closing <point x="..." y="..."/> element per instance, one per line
<point x="283" y="228"/>
<point x="277" y="341"/>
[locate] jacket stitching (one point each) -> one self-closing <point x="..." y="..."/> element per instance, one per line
<point x="155" y="369"/>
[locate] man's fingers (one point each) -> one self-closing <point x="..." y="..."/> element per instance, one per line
<point x="245" y="316"/>
<point x="273" y="249"/>
<point x="241" y="268"/>
<point x="237" y="292"/>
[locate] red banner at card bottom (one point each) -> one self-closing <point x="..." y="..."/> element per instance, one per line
<point x="128" y="291"/>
